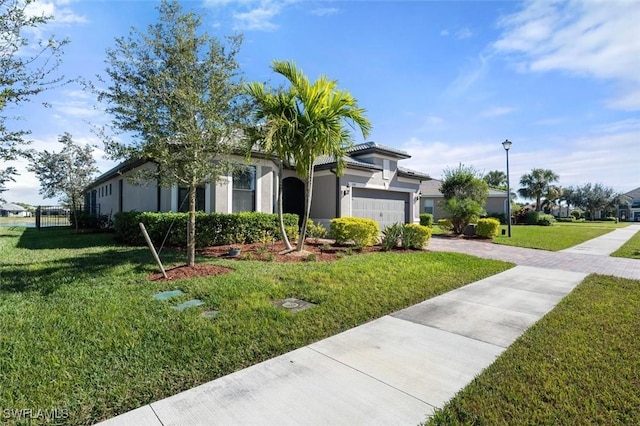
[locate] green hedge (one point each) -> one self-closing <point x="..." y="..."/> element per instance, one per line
<point x="426" y="219"/>
<point x="362" y="232"/>
<point x="212" y="229"/>
<point x="488" y="228"/>
<point x="415" y="236"/>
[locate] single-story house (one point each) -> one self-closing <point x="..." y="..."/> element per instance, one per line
<point x="13" y="210"/>
<point x="431" y="200"/>
<point x="373" y="186"/>
<point x="630" y="211"/>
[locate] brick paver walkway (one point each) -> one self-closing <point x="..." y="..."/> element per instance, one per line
<point x="587" y="263"/>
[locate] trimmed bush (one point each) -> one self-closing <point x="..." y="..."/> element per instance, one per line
<point x="90" y="221"/>
<point x="445" y="224"/>
<point x="576" y="214"/>
<point x="316" y="231"/>
<point x="362" y="232"/>
<point x="545" y="220"/>
<point x="500" y="216"/>
<point x="426" y="219"/>
<point x="415" y="236"/>
<point x="531" y="217"/>
<point x="212" y="229"/>
<point x="488" y="228"/>
<point x="391" y="237"/>
<point x="566" y="219"/>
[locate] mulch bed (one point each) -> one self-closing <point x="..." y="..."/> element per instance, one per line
<point x="184" y="271"/>
<point x="320" y="251"/>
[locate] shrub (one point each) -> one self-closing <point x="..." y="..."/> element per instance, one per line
<point x="426" y="219"/>
<point x="576" y="214"/>
<point x="415" y="236"/>
<point x="566" y="219"/>
<point x="611" y="219"/>
<point x="362" y="232"/>
<point x="501" y="217"/>
<point x="391" y="236"/>
<point x="462" y="211"/>
<point x="212" y="229"/>
<point x="488" y="228"/>
<point x="531" y="217"/>
<point x="316" y="231"/>
<point x="545" y="220"/>
<point x="445" y="224"/>
<point x="293" y="232"/>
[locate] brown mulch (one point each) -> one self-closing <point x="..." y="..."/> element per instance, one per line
<point x="184" y="271"/>
<point x="322" y="251"/>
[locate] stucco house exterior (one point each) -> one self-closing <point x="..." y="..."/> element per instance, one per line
<point x="431" y="200"/>
<point x="373" y="185"/>
<point x="631" y="212"/>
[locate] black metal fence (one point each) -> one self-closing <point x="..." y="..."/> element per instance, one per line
<point x="61" y="216"/>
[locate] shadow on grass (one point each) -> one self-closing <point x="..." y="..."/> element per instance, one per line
<point x="111" y="264"/>
<point x="66" y="238"/>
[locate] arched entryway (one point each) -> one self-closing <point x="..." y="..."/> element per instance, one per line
<point x="293" y="197"/>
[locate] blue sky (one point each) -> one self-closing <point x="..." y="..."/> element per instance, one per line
<point x="445" y="81"/>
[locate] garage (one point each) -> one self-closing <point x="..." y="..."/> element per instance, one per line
<point x="385" y="207"/>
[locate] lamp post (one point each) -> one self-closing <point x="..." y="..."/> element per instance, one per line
<point x="506" y="145"/>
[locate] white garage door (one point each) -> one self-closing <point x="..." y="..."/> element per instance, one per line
<point x="385" y="207"/>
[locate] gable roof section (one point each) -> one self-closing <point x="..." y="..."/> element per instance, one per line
<point x="12" y="207"/>
<point x="414" y="174"/>
<point x="325" y="162"/>
<point x="634" y="193"/>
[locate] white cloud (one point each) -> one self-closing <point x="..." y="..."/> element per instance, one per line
<point x="468" y="75"/>
<point x="604" y="156"/>
<point x="56" y="9"/>
<point x="433" y="120"/>
<point x="463" y="33"/>
<point x="325" y="11"/>
<point x="257" y="19"/>
<point x="585" y="38"/>
<point x="497" y="112"/>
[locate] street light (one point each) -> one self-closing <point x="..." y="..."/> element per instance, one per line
<point x="506" y="145"/>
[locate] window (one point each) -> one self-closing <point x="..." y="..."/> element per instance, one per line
<point x="110" y="189"/>
<point x="428" y="206"/>
<point x="183" y="199"/>
<point x="244" y="189"/>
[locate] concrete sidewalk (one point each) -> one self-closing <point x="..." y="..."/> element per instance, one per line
<point x="394" y="370"/>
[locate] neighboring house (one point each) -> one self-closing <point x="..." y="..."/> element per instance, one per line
<point x="431" y="200"/>
<point x="13" y="210"/>
<point x="631" y="212"/>
<point x="371" y="186"/>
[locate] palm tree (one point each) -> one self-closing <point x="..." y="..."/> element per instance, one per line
<point x="496" y="179"/>
<point x="276" y="134"/>
<point x="325" y="117"/>
<point x="536" y="184"/>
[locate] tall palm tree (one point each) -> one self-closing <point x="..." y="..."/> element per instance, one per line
<point x="276" y="134"/>
<point x="496" y="179"/>
<point x="326" y="117"/>
<point x="536" y="184"/>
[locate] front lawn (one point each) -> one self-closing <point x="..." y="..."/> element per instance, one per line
<point x="82" y="333"/>
<point x="630" y="249"/>
<point x="577" y="365"/>
<point x="557" y="237"/>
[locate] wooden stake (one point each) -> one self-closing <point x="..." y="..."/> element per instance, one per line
<point x="153" y="250"/>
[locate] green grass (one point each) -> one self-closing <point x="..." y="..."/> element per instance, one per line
<point x="556" y="237"/>
<point x="82" y="333"/>
<point x="630" y="249"/>
<point x="578" y="365"/>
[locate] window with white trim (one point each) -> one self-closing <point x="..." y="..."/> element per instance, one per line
<point x="428" y="206"/>
<point x="244" y="189"/>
